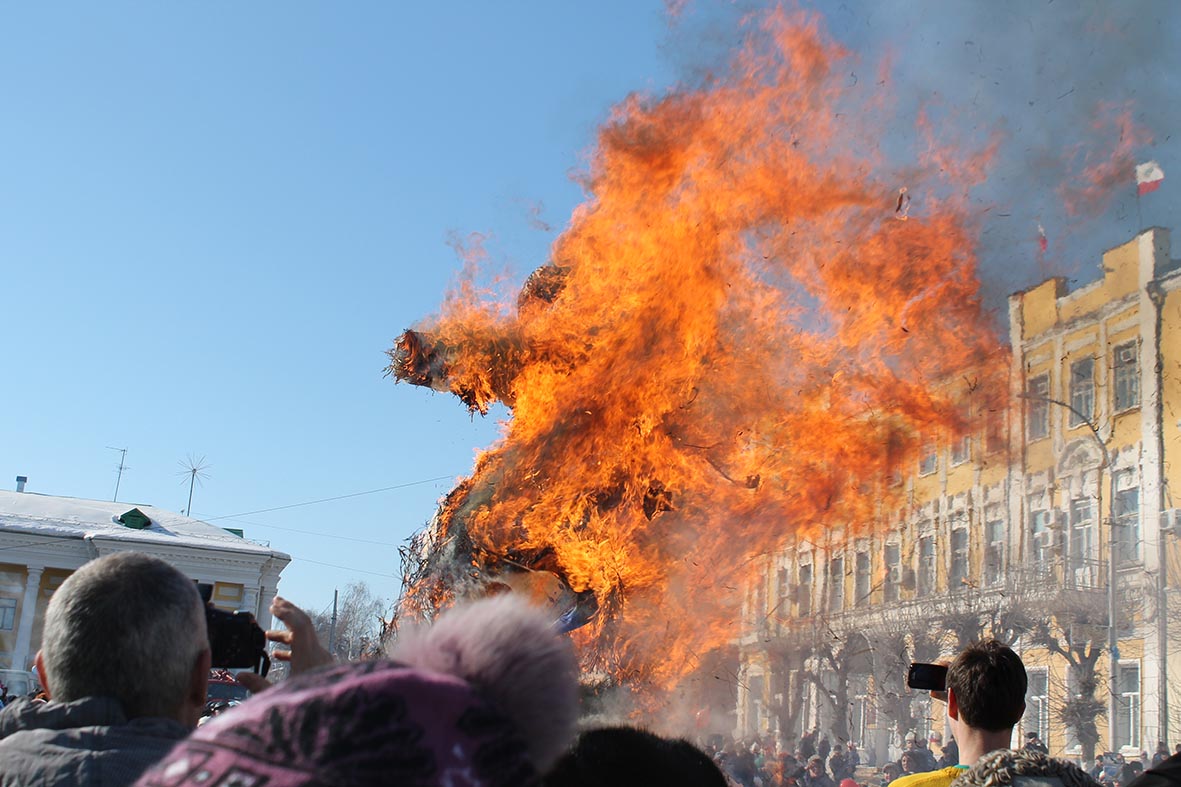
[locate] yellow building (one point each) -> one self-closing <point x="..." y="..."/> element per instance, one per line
<point x="1013" y="532"/>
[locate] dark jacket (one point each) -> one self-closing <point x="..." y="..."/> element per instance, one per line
<point x="88" y="742"/>
<point x="1166" y="774"/>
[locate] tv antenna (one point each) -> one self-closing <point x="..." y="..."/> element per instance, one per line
<point x="194" y="469"/>
<point x="122" y="466"/>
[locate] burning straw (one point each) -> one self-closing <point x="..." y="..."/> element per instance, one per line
<point x="735" y="339"/>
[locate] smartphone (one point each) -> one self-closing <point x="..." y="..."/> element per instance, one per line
<point x="928" y="677"/>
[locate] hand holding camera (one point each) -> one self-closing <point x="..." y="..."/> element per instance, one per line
<point x="304" y="649"/>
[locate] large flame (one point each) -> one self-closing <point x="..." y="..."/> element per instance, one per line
<point x="737" y="337"/>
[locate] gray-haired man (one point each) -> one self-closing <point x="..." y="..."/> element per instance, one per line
<point x="125" y="661"/>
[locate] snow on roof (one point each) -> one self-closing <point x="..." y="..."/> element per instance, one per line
<point x="72" y="517"/>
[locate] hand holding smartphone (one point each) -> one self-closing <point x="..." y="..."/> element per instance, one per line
<point x="928" y="677"/>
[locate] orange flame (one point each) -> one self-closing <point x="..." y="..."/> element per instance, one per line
<point x="734" y="341"/>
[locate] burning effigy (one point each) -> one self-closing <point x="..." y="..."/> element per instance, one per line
<point x="743" y="332"/>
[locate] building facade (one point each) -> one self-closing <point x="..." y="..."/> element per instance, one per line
<point x="43" y="539"/>
<point x="1050" y="525"/>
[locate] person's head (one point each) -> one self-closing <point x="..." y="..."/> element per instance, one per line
<point x="986" y="687"/>
<point x="128" y="627"/>
<point x="935" y="737"/>
<point x="624" y="756"/>
<point x="909" y="761"/>
<point x="815" y="765"/>
<point x="910" y="740"/>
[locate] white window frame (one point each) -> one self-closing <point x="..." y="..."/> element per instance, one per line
<point x="892" y="586"/>
<point x="1132" y="700"/>
<point x="1125" y="377"/>
<point x="1127" y="517"/>
<point x="836" y="583"/>
<point x="994" y="551"/>
<point x="1037" y="706"/>
<point x="862" y="577"/>
<point x="927" y="580"/>
<point x="804" y="599"/>
<point x="7" y="613"/>
<point x="1038" y="408"/>
<point x="1082" y="391"/>
<point x="928" y="459"/>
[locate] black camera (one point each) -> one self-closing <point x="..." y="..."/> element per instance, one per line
<point x="930" y="677"/>
<point x="235" y="638"/>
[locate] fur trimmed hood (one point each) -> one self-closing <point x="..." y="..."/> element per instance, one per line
<point x="1023" y="768"/>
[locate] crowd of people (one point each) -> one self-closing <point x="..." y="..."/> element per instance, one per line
<point x="485" y="696"/>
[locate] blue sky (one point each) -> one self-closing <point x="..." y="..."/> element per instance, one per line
<point x="215" y="219"/>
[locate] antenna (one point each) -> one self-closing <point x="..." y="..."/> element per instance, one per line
<point x="194" y="469"/>
<point x="122" y="467"/>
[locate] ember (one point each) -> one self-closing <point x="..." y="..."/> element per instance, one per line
<point x="735" y="339"/>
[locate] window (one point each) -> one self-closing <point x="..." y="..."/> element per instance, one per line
<point x="1037" y="704"/>
<point x="1082" y="391"/>
<point x="1127" y="704"/>
<point x="1082" y="541"/>
<point x="7" y="614"/>
<point x="961" y="447"/>
<point x="836" y="584"/>
<point x="893" y="572"/>
<point x="784" y="599"/>
<point x="926" y="565"/>
<point x="994" y="552"/>
<point x="961" y="450"/>
<point x="804" y="590"/>
<point x="958" y="575"/>
<point x="759" y="600"/>
<point x="1126" y="371"/>
<point x="928" y="459"/>
<point x="1127" y="520"/>
<point x="994" y="431"/>
<point x="861" y="580"/>
<point x="1042" y="542"/>
<point x="1038" y="408"/>
<point x="861" y="715"/>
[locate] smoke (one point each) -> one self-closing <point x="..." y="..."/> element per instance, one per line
<point x="1075" y="92"/>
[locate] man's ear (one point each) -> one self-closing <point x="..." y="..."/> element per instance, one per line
<point x="953" y="707"/>
<point x="199" y="680"/>
<point x="42" y="675"/>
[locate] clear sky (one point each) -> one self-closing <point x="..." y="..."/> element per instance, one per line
<point x="215" y="218"/>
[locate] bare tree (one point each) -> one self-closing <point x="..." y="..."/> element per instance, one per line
<point x="359" y="624"/>
<point x="1074" y="627"/>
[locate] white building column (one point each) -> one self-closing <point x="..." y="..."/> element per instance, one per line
<point x="21" y="658"/>
<point x="250" y="600"/>
<point x="266" y="593"/>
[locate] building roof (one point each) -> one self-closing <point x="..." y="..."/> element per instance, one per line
<point x="72" y="517"/>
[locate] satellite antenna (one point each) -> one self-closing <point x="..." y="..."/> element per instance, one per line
<point x="122" y="466"/>
<point x="194" y="469"/>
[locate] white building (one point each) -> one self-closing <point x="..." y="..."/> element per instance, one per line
<point x="43" y="539"/>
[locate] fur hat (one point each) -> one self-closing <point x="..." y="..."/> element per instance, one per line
<point x="486" y="697"/>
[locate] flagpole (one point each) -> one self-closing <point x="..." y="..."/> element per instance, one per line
<point x="1139" y="216"/>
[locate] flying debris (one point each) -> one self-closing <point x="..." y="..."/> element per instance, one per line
<point x="903" y="207"/>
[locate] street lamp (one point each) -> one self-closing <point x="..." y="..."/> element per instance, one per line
<point x="1112" y="645"/>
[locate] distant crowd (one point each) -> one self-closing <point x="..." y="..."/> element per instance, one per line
<point x="486" y="696"/>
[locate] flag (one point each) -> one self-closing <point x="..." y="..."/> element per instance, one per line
<point x="1042" y="243"/>
<point x="1148" y="177"/>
